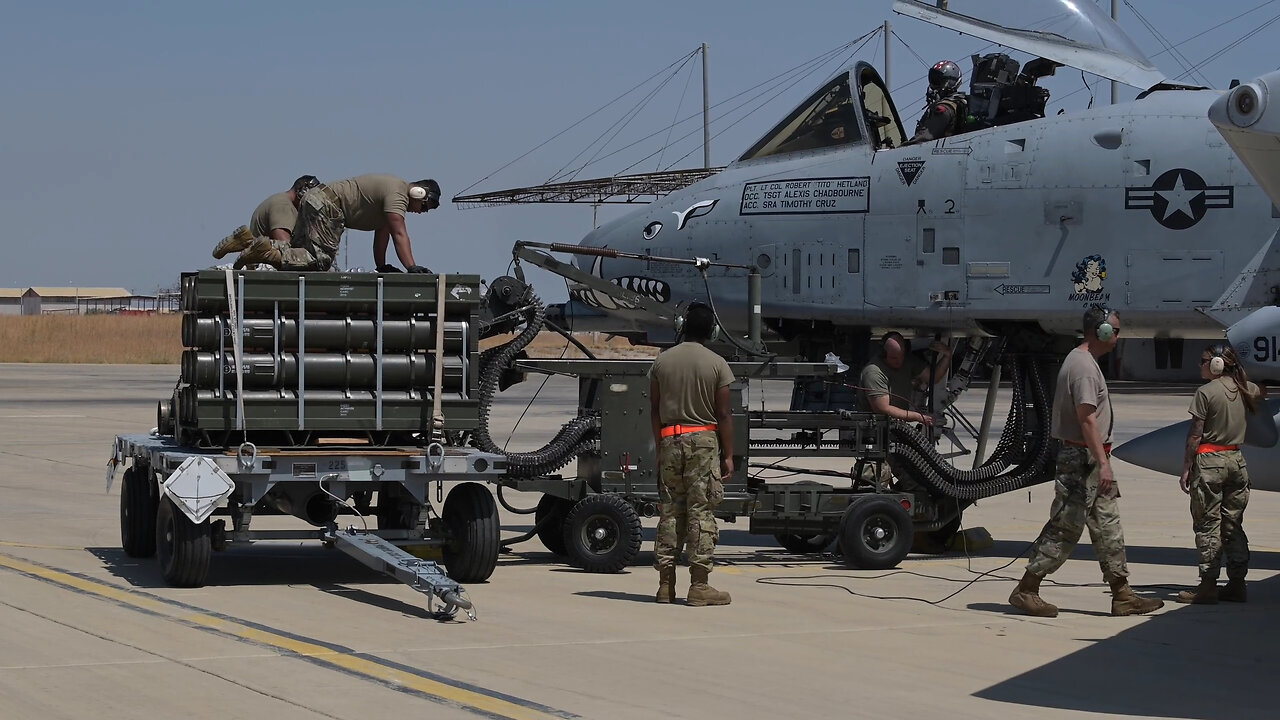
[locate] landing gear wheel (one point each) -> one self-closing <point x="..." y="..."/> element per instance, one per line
<point x="554" y="510"/>
<point x="875" y="534"/>
<point x="183" y="547"/>
<point x="803" y="543"/>
<point x="138" y="507"/>
<point x="602" y="534"/>
<point x="471" y="515"/>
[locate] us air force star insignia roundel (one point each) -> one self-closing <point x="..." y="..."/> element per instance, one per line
<point x="1179" y="198"/>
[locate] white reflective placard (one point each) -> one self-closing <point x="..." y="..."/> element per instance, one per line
<point x="198" y="486"/>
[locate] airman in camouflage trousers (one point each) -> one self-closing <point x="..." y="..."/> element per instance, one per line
<point x="1077" y="504"/>
<point x="315" y="239"/>
<point x="1085" y="487"/>
<point x="1219" y="494"/>
<point x="689" y="491"/>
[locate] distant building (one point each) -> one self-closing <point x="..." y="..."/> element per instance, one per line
<point x="38" y="300"/>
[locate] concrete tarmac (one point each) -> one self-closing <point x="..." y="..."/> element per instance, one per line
<point x="292" y="630"/>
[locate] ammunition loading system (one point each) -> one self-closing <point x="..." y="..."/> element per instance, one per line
<point x="310" y="394"/>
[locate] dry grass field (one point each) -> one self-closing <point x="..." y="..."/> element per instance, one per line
<point x="116" y="339"/>
<point x="150" y="339"/>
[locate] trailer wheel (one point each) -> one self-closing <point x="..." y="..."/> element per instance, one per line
<point x="808" y="543"/>
<point x="554" y="510"/>
<point x="138" y="501"/>
<point x="875" y="533"/>
<point x="602" y="533"/>
<point x="475" y="534"/>
<point x="183" y="547"/>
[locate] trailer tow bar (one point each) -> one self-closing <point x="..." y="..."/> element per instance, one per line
<point x="425" y="576"/>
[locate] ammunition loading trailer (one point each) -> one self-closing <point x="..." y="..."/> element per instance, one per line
<point x="306" y="394"/>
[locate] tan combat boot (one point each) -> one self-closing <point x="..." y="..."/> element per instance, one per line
<point x="1206" y="593"/>
<point x="700" y="593"/>
<point x="1125" y="602"/>
<point x="235" y="242"/>
<point x="1234" y="591"/>
<point x="1026" y="597"/>
<point x="666" y="585"/>
<point x="261" y="250"/>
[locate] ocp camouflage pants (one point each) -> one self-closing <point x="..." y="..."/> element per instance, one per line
<point x="689" y="489"/>
<point x="317" y="232"/>
<point x="1077" y="504"/>
<point x="1219" y="494"/>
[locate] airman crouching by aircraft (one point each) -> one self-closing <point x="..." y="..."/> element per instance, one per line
<point x="887" y="383"/>
<point x="945" y="106"/>
<point x="1085" y="492"/>
<point x="366" y="202"/>
<point x="274" y="218"/>
<point x="1215" y="476"/>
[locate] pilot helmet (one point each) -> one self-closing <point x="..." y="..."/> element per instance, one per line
<point x="944" y="77"/>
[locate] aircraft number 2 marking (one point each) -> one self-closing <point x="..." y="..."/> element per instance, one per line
<point x="1265" y="350"/>
<point x="951" y="207"/>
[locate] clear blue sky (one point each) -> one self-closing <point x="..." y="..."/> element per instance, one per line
<point x="133" y="135"/>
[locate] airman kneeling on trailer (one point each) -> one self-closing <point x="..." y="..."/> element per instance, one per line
<point x="273" y="219"/>
<point x="693" y="434"/>
<point x="366" y="202"/>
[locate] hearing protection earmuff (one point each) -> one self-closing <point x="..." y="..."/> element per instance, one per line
<point x="1104" y="330"/>
<point x="418" y="192"/>
<point x="682" y="314"/>
<point x="1217" y="363"/>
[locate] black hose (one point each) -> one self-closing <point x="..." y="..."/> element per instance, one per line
<point x="1010" y="467"/>
<point x="510" y="508"/>
<point x="574" y="438"/>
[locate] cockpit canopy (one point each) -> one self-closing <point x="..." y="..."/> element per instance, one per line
<point x="835" y="115"/>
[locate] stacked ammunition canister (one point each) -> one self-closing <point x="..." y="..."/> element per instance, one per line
<point x="323" y="354"/>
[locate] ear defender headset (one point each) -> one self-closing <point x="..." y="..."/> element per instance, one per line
<point x="682" y="315"/>
<point x="1104" y="330"/>
<point x="426" y="190"/>
<point x="1217" y="363"/>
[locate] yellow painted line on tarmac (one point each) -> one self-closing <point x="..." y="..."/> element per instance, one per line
<point x="7" y="543"/>
<point x="399" y="677"/>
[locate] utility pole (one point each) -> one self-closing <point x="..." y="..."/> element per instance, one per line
<point x="706" y="112"/>
<point x="888" y="32"/>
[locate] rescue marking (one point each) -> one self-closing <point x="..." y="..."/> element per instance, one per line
<point x="391" y="674"/>
<point x="1022" y="289"/>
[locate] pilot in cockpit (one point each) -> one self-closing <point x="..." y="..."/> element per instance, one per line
<point x="945" y="105"/>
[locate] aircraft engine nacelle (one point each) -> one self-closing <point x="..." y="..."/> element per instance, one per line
<point x="1251" y="126"/>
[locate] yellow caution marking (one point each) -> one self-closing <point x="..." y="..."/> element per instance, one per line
<point x="403" y="678"/>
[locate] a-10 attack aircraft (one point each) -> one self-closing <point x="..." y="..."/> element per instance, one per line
<point x="1249" y="118"/>
<point x="1002" y="234"/>
<point x="1011" y="228"/>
